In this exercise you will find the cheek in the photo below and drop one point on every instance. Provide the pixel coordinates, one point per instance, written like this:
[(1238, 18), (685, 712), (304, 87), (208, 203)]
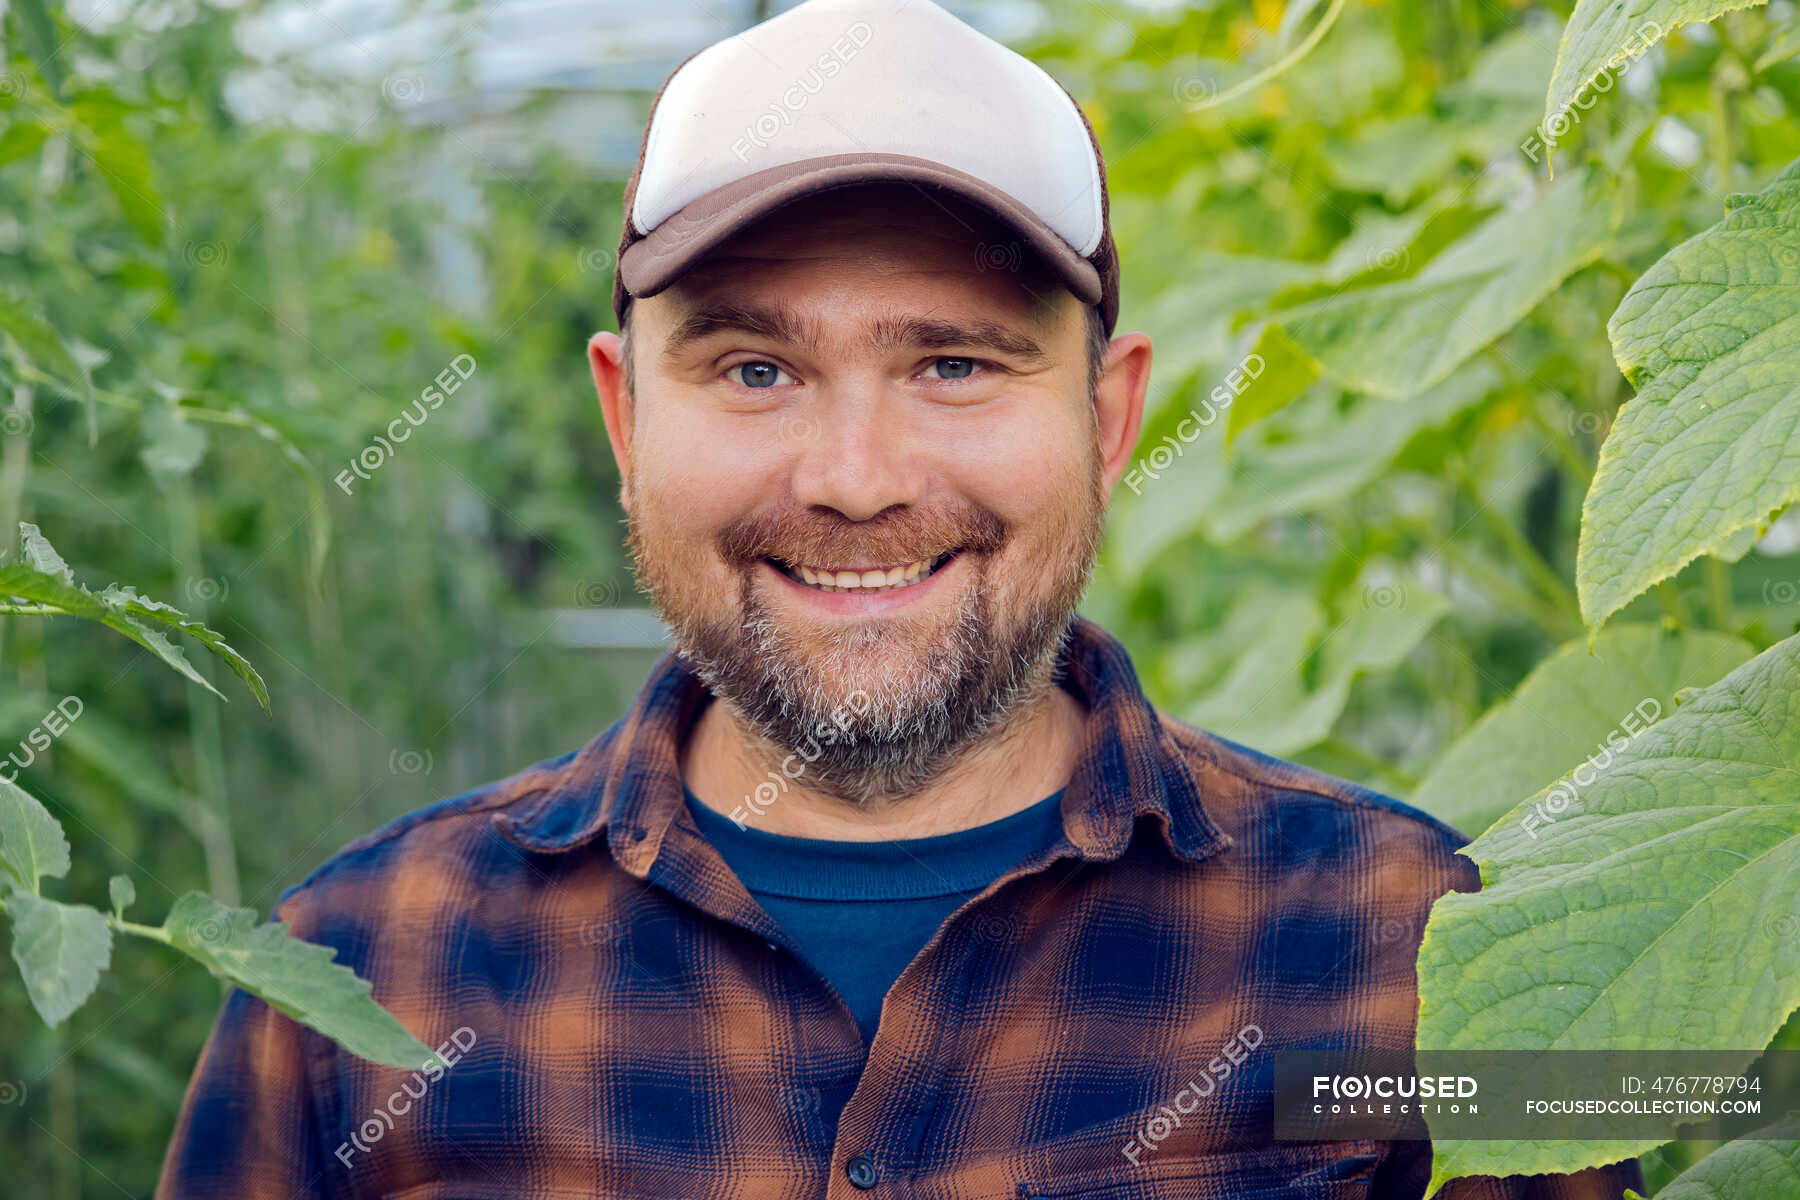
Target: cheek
[(1029, 471), (695, 477)]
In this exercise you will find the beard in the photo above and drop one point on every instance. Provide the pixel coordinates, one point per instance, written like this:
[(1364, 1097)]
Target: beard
[(879, 708)]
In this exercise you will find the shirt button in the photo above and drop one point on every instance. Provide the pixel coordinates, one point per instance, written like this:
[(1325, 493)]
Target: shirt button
[(862, 1172)]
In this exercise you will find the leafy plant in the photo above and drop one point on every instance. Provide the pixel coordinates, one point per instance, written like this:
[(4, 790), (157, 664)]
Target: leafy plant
[(62, 948)]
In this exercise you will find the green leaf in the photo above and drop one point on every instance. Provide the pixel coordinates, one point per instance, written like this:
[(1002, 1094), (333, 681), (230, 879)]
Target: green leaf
[(21, 138), (124, 166), (1563, 711), (1651, 911), (1768, 1169), (1310, 455), (1291, 677), (123, 892), (1604, 35), (1399, 338), (36, 550), (127, 599), (46, 351), (37, 30), (1782, 47), (297, 978), (1394, 158), (1711, 442), (32, 844), (1284, 371), (61, 950), (1329, 452), (45, 579)]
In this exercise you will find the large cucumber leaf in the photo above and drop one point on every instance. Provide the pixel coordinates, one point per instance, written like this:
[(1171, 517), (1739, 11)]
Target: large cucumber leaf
[(294, 977), (1397, 339), (1563, 711), (1749, 1167), (61, 950), (1711, 443), (1651, 912), (1604, 35)]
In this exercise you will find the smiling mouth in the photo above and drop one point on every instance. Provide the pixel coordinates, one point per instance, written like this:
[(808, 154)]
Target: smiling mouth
[(863, 579)]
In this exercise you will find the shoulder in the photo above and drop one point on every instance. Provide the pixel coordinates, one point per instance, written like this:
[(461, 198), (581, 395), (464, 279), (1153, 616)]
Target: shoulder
[(1296, 818)]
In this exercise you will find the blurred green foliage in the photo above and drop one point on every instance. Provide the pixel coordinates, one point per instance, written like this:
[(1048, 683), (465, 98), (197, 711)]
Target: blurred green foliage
[(1354, 581)]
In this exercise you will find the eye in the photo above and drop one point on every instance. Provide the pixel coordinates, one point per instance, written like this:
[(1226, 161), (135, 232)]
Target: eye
[(954, 368), (759, 374)]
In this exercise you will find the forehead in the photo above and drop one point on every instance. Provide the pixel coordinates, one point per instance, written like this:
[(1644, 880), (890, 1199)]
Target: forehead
[(882, 240)]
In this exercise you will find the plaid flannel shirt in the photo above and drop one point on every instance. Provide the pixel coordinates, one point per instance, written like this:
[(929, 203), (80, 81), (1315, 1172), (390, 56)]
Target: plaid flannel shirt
[(634, 1025)]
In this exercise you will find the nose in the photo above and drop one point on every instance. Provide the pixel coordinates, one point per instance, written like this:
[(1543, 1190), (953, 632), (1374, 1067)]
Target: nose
[(855, 454)]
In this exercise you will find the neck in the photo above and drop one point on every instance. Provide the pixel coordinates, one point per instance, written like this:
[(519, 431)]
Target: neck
[(1031, 755)]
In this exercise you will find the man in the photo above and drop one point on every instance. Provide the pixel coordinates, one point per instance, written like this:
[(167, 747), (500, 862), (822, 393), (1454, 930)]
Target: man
[(892, 881)]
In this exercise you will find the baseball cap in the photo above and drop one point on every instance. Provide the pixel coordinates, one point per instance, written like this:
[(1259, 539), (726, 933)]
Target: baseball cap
[(834, 93)]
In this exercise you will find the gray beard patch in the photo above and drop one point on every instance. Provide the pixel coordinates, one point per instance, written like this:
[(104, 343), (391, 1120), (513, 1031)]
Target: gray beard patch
[(893, 737)]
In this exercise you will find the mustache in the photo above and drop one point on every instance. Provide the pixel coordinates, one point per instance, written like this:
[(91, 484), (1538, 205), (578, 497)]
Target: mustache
[(819, 536)]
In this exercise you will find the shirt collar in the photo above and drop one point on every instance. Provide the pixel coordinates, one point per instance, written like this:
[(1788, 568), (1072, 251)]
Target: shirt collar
[(626, 783)]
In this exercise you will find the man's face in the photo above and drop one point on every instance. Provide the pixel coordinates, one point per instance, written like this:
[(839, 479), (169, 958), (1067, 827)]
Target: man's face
[(864, 480)]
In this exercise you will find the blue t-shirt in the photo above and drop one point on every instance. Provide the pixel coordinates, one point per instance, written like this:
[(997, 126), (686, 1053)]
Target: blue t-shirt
[(859, 912)]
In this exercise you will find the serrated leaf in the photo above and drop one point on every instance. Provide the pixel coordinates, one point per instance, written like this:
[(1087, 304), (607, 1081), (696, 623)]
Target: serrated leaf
[(123, 893), (126, 598), (61, 950), (1604, 35), (1651, 911), (1563, 711), (32, 844), (1711, 442), (294, 977), (38, 553), (1765, 1167), (121, 609), (1398, 339)]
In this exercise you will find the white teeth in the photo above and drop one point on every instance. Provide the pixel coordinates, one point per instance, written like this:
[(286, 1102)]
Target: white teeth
[(866, 581)]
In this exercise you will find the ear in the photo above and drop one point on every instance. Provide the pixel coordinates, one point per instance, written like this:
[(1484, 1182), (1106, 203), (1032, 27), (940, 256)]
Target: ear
[(1119, 403), (606, 357)]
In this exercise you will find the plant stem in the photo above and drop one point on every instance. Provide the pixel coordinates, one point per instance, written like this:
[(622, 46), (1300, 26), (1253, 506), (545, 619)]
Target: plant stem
[(155, 933), (1718, 582), (1673, 605)]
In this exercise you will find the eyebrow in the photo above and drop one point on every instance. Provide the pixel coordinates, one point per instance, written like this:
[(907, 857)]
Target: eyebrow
[(780, 323)]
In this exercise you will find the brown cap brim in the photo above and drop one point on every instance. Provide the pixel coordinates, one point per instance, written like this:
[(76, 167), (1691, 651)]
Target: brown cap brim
[(654, 261)]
